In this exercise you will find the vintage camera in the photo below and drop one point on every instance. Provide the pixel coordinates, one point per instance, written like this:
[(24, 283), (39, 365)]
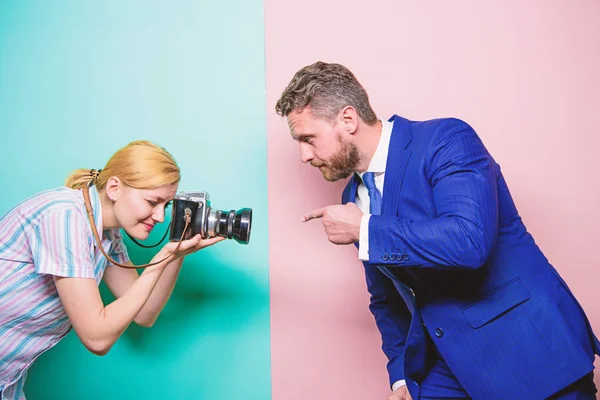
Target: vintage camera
[(207, 221)]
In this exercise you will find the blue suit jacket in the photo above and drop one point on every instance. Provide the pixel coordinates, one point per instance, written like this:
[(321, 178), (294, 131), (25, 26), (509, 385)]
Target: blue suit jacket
[(501, 316)]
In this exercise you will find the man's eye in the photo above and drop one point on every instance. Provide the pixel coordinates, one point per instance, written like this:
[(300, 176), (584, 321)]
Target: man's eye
[(307, 140), (152, 203)]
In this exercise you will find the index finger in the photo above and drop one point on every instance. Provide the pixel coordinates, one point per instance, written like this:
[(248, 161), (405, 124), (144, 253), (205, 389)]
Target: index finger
[(314, 214)]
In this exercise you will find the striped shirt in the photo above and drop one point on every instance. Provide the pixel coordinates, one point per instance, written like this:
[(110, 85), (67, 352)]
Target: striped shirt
[(45, 235)]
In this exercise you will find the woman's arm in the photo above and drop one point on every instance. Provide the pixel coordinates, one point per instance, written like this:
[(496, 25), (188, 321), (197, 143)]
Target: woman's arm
[(119, 280), (99, 326)]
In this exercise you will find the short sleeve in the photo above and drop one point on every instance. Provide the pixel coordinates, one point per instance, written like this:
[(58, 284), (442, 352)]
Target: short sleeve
[(61, 245), (118, 250)]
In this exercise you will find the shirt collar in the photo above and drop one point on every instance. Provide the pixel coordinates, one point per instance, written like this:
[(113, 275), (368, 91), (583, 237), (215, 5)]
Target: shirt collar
[(109, 234), (379, 160), (96, 207)]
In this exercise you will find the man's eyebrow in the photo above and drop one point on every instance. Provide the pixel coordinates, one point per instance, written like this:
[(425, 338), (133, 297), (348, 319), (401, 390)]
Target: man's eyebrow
[(303, 136)]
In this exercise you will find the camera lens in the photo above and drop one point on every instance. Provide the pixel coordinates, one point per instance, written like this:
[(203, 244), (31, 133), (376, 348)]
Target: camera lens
[(242, 225), (225, 223), (232, 225)]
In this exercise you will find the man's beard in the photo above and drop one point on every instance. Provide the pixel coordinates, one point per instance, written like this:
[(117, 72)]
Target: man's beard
[(342, 163)]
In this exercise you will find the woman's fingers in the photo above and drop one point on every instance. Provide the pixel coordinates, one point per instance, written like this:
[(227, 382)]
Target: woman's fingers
[(192, 245), (209, 242)]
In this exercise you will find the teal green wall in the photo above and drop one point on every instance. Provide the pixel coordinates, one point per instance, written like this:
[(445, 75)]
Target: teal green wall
[(78, 80)]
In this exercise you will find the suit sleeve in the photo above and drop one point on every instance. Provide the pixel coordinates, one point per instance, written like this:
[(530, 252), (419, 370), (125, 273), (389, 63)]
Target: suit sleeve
[(392, 318), (462, 176)]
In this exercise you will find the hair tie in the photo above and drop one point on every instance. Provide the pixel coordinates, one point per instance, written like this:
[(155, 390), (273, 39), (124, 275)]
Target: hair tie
[(95, 173)]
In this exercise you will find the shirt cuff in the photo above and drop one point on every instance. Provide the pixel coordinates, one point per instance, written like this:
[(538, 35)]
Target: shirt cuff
[(398, 384), (363, 241)]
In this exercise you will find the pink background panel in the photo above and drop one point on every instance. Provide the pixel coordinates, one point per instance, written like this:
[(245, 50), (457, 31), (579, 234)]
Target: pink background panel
[(523, 74)]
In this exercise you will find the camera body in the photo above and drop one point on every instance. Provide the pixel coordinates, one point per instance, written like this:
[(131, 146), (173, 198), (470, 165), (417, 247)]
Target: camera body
[(208, 221)]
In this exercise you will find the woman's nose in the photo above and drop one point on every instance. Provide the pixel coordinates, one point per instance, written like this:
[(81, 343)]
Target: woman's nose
[(159, 214)]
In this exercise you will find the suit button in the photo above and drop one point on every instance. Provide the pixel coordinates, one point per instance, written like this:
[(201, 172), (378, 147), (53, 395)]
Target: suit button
[(405, 257), (399, 257), (392, 257), (439, 332), (385, 257)]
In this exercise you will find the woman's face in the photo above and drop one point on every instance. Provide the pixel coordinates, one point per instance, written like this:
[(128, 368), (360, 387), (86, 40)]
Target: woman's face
[(138, 210)]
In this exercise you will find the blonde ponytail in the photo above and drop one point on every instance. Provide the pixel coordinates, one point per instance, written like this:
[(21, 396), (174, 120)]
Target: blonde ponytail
[(140, 164), (79, 178)]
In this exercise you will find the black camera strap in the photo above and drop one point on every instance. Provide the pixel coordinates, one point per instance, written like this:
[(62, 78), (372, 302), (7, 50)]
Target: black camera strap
[(90, 213), (146, 246)]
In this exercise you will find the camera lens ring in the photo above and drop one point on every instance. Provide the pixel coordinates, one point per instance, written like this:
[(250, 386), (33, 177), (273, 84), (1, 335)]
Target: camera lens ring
[(230, 222), (212, 222)]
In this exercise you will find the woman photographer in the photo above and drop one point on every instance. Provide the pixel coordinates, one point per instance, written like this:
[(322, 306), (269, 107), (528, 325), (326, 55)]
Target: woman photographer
[(51, 264)]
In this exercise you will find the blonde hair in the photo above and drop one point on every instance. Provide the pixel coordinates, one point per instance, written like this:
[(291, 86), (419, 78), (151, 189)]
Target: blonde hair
[(140, 165)]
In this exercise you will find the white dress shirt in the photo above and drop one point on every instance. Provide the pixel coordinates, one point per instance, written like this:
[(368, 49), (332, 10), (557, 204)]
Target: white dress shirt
[(377, 166)]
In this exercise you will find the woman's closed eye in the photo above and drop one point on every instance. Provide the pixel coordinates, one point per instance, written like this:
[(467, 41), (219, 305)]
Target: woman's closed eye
[(155, 203)]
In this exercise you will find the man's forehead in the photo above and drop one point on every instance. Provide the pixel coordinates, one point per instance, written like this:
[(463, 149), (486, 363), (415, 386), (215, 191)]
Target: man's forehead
[(300, 116), (294, 122), (291, 123), (296, 114)]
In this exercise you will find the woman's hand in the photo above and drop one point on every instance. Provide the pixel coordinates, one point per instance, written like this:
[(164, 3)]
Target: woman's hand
[(189, 246)]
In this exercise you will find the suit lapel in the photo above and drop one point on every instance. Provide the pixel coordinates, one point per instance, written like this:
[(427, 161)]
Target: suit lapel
[(349, 194), (398, 156)]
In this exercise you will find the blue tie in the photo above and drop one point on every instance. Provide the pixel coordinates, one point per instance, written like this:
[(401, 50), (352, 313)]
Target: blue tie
[(375, 209), (374, 193), (418, 353)]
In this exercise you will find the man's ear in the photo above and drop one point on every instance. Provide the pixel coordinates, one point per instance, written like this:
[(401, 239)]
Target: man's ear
[(113, 188), (349, 118)]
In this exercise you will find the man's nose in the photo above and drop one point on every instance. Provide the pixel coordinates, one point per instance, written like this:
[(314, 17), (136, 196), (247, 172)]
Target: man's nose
[(306, 154)]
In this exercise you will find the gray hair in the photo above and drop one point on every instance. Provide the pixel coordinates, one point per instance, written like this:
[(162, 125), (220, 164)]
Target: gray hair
[(327, 89)]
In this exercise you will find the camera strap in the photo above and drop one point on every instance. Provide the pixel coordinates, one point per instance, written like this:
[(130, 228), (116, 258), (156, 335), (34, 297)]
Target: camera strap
[(90, 213), (146, 246)]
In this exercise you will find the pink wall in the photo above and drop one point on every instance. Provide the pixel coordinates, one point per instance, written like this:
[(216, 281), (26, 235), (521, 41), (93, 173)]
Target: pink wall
[(525, 75)]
